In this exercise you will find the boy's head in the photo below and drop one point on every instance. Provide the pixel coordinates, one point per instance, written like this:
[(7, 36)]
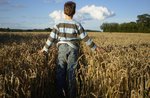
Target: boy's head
[(70, 8)]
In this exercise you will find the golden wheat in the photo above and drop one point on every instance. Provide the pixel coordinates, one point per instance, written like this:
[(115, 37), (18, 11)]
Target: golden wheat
[(122, 72)]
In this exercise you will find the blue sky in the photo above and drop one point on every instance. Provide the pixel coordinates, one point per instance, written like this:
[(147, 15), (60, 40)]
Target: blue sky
[(29, 14)]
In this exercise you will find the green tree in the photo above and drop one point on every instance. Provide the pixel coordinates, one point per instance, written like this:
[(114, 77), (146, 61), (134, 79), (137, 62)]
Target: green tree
[(105, 27), (143, 22), (141, 25)]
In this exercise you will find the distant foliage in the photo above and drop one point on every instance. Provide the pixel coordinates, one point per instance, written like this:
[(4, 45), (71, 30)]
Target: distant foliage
[(25, 30), (141, 25)]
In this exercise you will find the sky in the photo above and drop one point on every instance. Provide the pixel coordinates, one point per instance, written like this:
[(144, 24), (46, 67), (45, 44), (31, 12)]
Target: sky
[(40, 14)]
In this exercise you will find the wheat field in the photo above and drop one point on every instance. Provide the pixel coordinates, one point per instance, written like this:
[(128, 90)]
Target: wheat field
[(123, 71)]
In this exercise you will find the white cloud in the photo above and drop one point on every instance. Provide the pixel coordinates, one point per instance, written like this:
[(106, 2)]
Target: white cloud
[(96, 12), (10, 5), (86, 13), (52, 1), (57, 15), (3, 2), (58, 1), (89, 16)]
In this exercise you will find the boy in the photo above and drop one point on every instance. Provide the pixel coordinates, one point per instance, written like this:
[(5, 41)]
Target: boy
[(65, 34)]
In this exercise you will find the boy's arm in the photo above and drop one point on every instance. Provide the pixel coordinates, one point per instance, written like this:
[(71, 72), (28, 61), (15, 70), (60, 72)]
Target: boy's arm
[(84, 36), (51, 39)]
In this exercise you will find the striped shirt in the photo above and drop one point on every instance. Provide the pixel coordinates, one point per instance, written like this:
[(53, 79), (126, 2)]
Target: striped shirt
[(68, 30)]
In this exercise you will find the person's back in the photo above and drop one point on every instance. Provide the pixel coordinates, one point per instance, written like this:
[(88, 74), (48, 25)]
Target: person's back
[(67, 33), (68, 30), (71, 32)]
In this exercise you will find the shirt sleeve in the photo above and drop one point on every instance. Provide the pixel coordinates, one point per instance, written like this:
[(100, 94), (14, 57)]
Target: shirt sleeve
[(84, 36), (51, 39)]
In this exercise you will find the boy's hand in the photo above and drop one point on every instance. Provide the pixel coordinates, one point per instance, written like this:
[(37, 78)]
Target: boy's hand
[(100, 49), (41, 52)]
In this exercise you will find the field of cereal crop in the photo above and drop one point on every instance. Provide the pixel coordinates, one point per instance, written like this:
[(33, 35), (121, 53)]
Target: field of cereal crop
[(121, 72)]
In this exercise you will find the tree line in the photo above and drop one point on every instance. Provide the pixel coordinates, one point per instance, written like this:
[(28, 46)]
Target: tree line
[(35, 30), (25, 30), (142, 24)]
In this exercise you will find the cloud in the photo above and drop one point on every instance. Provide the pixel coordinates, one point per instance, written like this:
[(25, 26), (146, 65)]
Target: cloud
[(18, 6), (57, 15), (3, 2), (52, 1), (96, 12), (23, 25), (58, 1), (10, 5), (86, 13)]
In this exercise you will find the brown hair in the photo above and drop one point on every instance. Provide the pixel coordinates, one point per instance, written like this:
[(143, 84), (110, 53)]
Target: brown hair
[(70, 8)]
